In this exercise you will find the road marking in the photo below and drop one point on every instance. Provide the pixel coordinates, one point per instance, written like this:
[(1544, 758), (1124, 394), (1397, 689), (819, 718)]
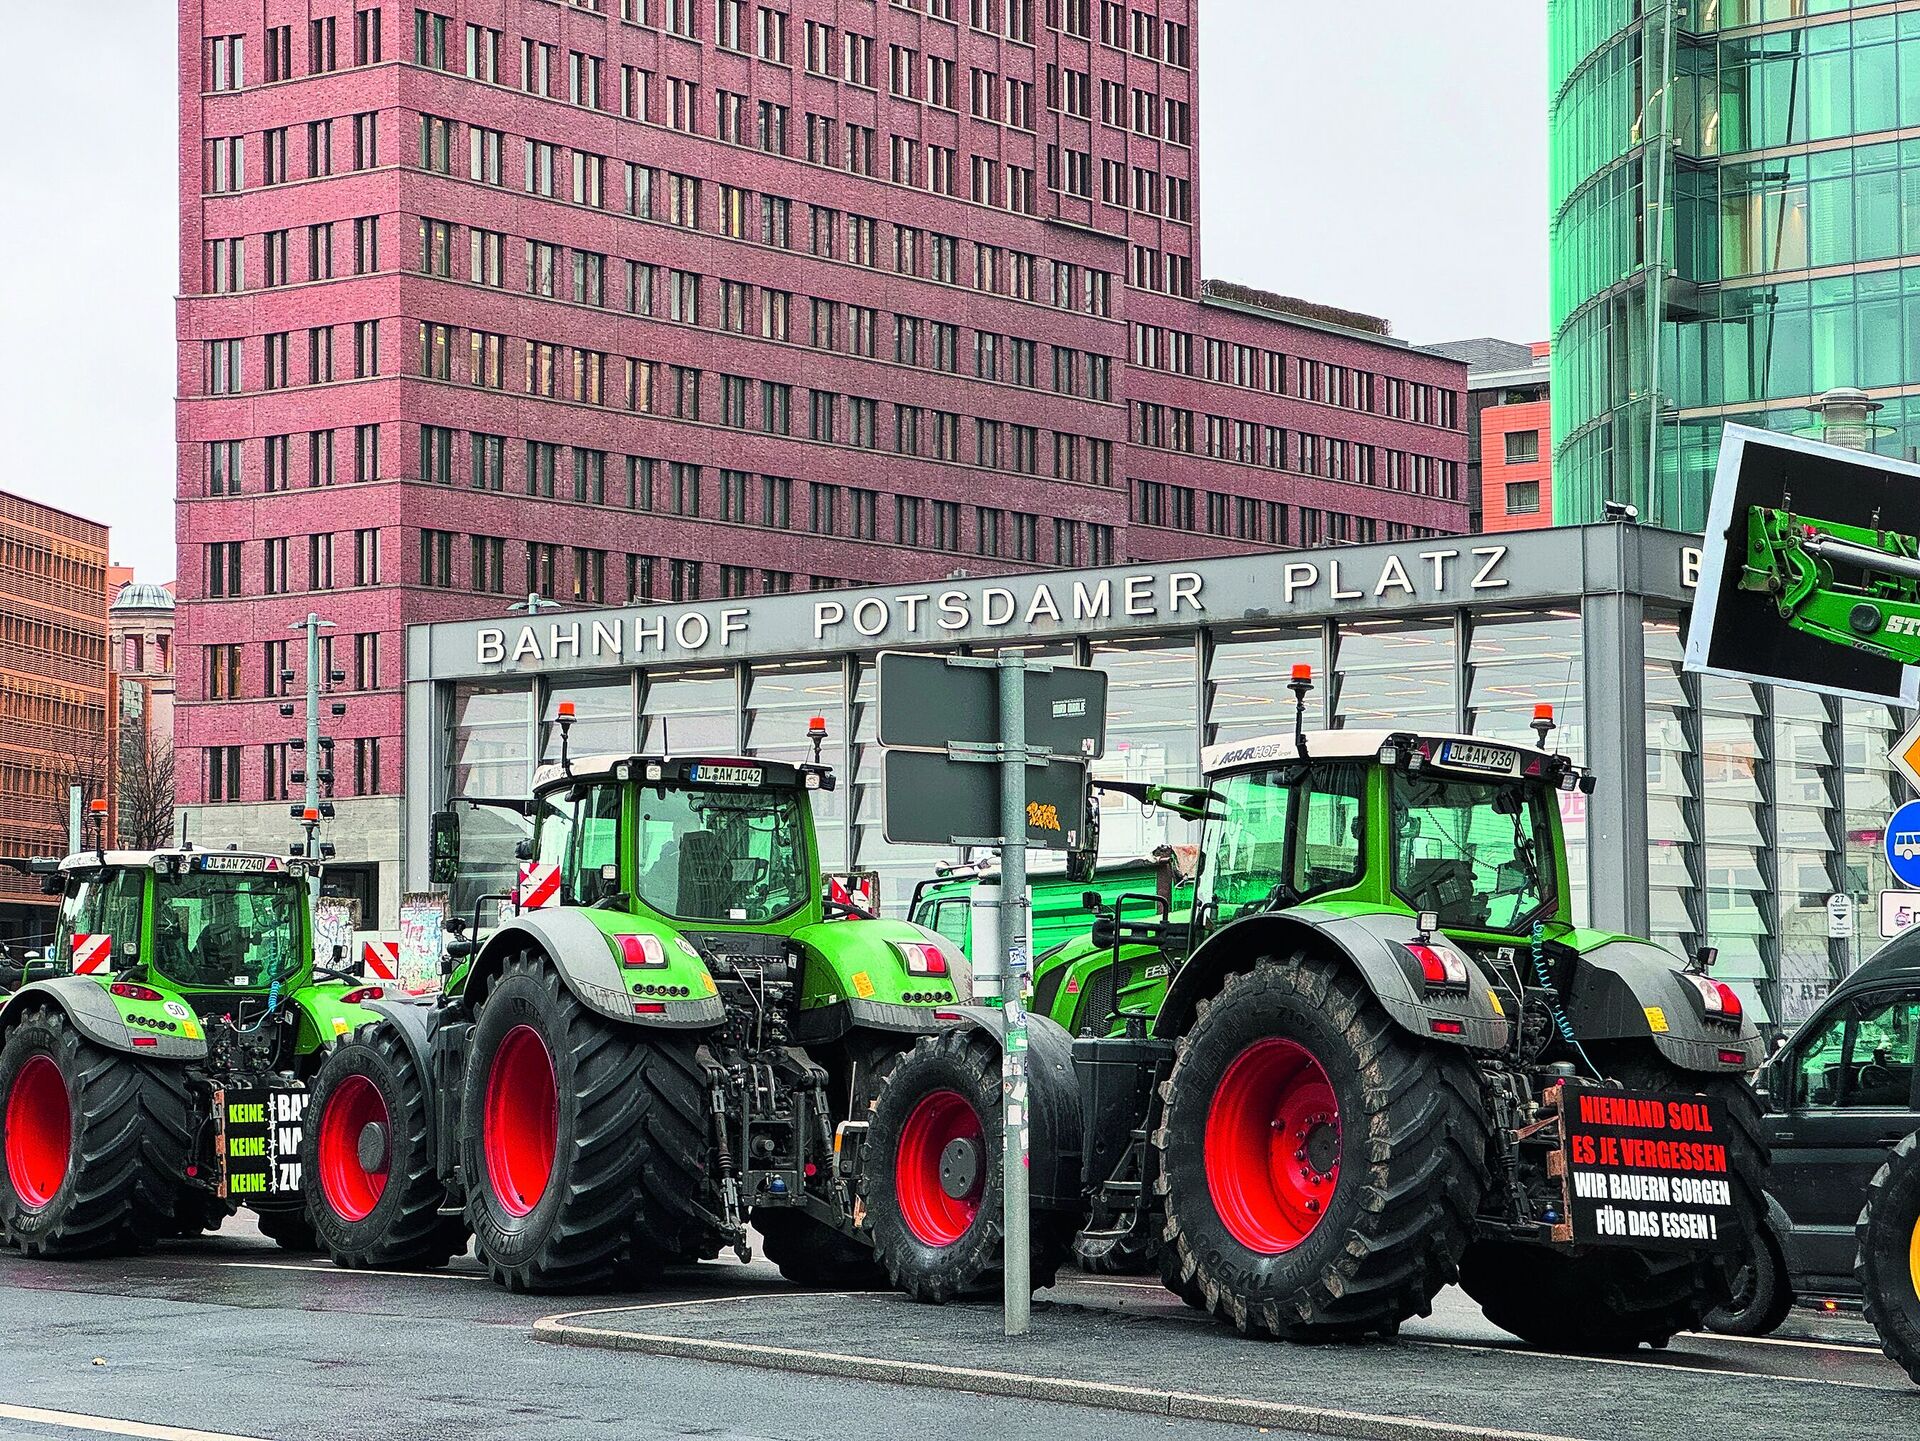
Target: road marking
[(1859, 1346), (81, 1421), (1678, 1365), (345, 1271)]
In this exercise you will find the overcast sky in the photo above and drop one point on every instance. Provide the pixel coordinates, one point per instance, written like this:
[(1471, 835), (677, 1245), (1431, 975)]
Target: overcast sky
[(1357, 153)]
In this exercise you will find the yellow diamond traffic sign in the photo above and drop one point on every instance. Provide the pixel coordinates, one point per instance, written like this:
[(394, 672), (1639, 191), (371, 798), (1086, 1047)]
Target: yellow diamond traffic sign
[(1905, 755)]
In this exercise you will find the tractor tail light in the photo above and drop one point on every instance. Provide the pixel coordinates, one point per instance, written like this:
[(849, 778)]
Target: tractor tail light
[(146, 1040), (922, 958), (642, 952), (364, 994), (1718, 1000), (127, 990), (1439, 967), (649, 1008)]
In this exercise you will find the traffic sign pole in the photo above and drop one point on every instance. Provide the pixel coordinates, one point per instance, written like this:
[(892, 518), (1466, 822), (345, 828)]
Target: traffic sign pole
[(1016, 1284)]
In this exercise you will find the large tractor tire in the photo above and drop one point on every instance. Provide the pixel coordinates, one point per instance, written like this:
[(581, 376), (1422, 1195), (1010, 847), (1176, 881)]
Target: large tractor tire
[(1320, 1169), (583, 1141), (811, 1253), (931, 1175), (290, 1228), (96, 1142), (1762, 1293), (1613, 1298), (1889, 1261), (368, 1160)]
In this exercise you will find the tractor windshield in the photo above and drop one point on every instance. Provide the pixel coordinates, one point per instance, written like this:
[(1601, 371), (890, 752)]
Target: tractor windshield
[(732, 856), (230, 931), (1479, 852)]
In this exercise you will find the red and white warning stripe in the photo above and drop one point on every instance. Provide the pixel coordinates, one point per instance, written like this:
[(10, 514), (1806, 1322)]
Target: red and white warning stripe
[(539, 885), (92, 955), (380, 960)]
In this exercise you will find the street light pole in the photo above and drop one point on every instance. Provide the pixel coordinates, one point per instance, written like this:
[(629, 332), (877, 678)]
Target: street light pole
[(1017, 1284)]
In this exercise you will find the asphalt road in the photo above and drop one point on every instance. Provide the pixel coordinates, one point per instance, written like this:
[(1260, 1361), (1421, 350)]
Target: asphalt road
[(230, 1336), (234, 1337)]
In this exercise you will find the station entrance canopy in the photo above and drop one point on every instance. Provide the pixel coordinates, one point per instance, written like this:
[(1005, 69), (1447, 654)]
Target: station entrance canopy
[(1727, 812)]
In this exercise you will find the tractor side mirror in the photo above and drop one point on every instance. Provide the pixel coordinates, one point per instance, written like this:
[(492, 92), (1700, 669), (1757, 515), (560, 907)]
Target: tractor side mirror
[(443, 863)]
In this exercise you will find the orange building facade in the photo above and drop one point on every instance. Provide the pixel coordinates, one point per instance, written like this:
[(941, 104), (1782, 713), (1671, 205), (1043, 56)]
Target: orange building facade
[(54, 716), (1516, 449)]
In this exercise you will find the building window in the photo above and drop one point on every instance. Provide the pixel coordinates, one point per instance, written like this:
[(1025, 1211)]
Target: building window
[(1523, 447), (1523, 497), (366, 765), (223, 773)]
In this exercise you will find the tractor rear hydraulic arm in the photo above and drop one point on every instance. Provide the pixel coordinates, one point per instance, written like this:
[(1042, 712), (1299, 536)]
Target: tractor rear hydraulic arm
[(1876, 606)]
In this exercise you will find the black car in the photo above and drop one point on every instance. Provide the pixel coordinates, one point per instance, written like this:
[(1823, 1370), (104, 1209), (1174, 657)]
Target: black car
[(1841, 1094)]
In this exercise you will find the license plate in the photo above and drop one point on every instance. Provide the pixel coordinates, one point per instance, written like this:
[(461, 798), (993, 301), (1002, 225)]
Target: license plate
[(1472, 757), (727, 775)]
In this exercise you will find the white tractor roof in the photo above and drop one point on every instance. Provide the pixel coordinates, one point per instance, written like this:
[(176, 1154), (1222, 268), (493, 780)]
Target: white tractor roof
[(212, 860), (1340, 745)]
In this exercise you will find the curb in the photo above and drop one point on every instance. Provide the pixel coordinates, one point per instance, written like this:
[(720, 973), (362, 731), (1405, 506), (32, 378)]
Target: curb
[(563, 1330)]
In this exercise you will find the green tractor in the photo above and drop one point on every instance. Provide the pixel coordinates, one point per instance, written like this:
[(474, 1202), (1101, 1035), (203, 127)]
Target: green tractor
[(1376, 1057), (153, 1069), (663, 1043)]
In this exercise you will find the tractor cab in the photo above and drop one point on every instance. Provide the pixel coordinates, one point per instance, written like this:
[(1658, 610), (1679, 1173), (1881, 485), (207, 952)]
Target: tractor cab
[(1463, 829), (199, 921)]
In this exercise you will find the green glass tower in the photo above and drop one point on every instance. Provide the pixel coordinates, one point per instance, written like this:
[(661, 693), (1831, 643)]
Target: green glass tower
[(1736, 230)]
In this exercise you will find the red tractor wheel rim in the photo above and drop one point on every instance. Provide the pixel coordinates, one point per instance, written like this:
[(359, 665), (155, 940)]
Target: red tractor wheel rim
[(352, 1186), (39, 1132), (1273, 1146), (933, 1214), (522, 1121)]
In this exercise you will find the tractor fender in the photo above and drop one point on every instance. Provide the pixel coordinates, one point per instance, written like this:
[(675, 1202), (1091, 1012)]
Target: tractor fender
[(92, 1012), (415, 1021), (1370, 945), (325, 1021), (580, 951), (853, 976), (1627, 989), (1053, 1102)]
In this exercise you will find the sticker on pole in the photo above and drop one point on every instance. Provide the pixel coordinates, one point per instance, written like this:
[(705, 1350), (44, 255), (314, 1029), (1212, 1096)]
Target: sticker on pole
[(1902, 842), (1646, 1170), (539, 885), (92, 955), (380, 960)]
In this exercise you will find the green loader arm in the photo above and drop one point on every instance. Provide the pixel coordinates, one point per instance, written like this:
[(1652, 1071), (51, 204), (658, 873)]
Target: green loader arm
[(1792, 559)]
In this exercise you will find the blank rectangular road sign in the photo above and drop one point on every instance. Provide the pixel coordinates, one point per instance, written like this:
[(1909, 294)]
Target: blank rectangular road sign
[(933, 801), (927, 703)]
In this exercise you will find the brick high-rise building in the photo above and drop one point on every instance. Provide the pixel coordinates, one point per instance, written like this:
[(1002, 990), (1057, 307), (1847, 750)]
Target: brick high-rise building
[(630, 300), (54, 726)]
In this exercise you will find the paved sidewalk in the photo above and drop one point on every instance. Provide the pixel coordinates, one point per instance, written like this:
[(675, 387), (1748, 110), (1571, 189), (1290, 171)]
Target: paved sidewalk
[(1128, 1349)]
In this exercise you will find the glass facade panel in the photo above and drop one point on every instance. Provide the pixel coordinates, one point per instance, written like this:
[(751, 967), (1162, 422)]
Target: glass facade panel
[(1673, 811), (781, 701), (691, 711), (1247, 675), (602, 717), (1395, 672), (1152, 735)]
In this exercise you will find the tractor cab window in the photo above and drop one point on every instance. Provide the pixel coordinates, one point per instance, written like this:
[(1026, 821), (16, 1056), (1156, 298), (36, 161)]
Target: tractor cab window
[(220, 929), (579, 831), (1480, 853), (950, 919), (1863, 1057), (1281, 838), (105, 903), (714, 853)]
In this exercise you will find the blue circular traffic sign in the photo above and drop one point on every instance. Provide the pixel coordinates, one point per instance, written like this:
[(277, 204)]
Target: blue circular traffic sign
[(1903, 844)]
